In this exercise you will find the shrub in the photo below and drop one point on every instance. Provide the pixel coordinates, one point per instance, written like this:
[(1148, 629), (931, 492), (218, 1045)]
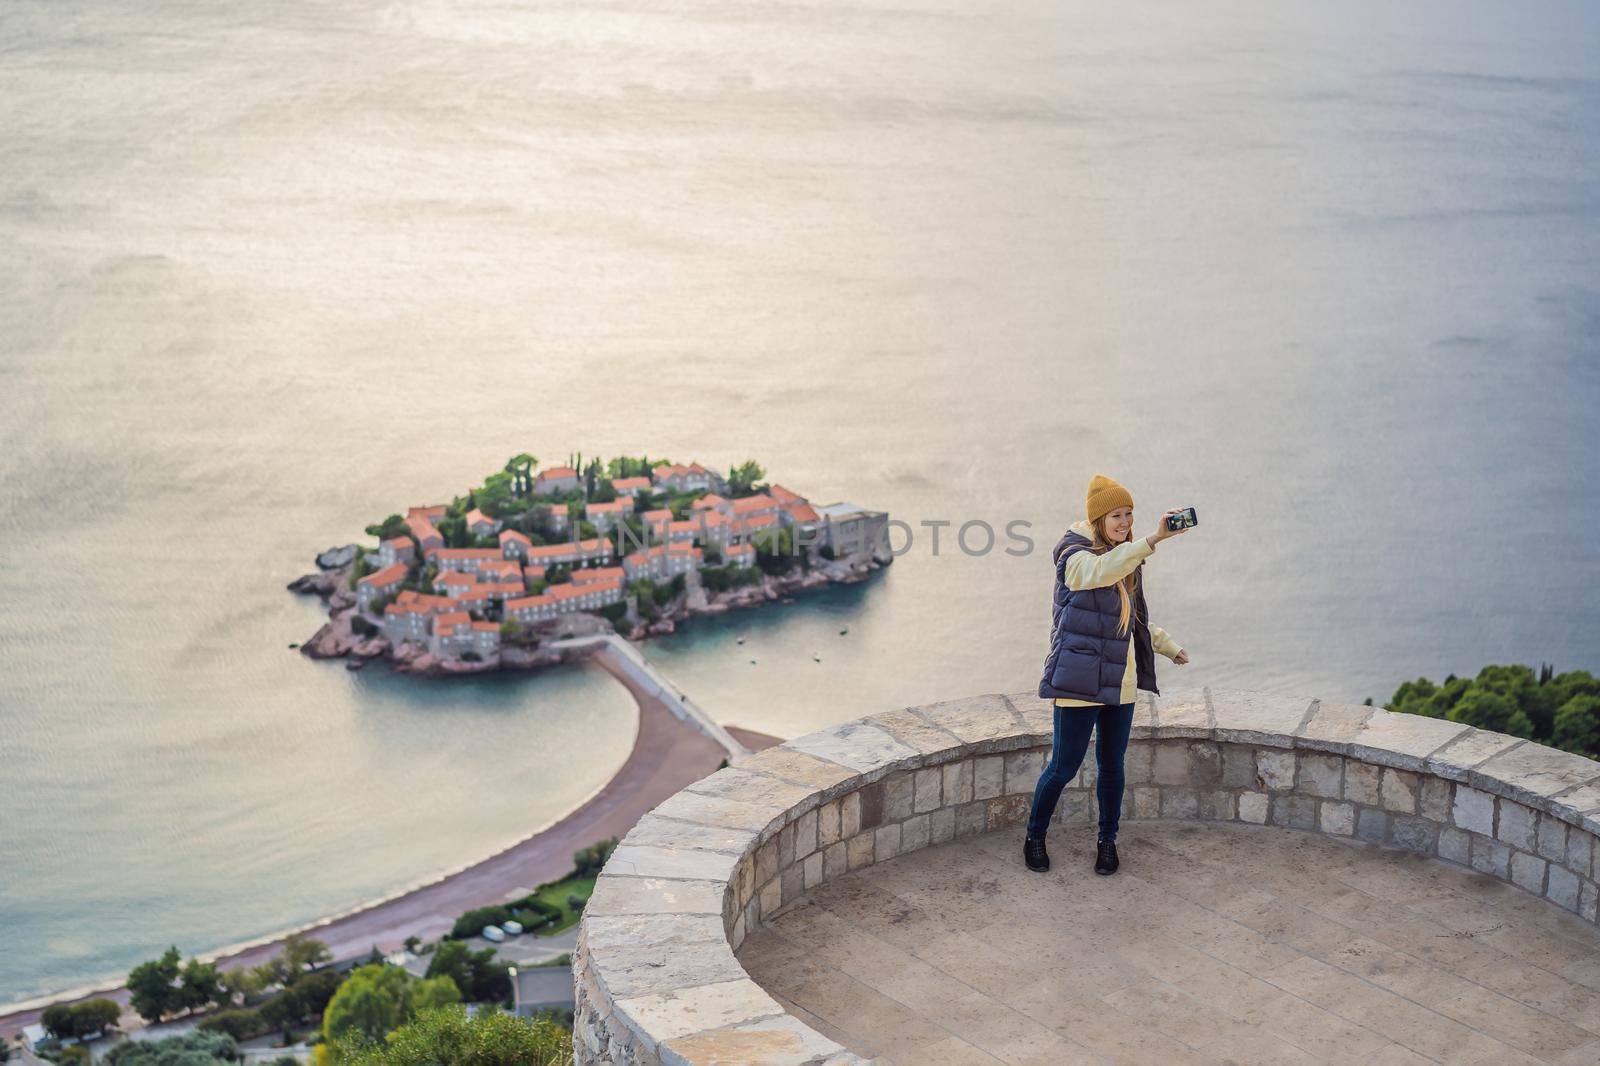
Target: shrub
[(239, 1024), (472, 923)]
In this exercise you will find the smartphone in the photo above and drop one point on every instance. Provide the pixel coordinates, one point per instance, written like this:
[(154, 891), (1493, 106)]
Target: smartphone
[(1183, 519)]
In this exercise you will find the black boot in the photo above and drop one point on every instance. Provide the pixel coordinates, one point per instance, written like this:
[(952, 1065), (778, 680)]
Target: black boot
[(1105, 860), (1034, 855)]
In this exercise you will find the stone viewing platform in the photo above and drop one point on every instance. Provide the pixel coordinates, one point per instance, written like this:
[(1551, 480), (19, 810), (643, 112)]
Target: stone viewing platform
[(1301, 882)]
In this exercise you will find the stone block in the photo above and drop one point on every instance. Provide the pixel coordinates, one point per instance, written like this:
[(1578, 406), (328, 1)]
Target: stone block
[(1334, 725), (793, 881), (1179, 714), (970, 817), (657, 832), (1321, 775), (915, 731), (1434, 803), (1403, 741), (1361, 782), (1489, 856), (899, 792), (1533, 773), (819, 775), (1216, 805), (1579, 854), (862, 747), (775, 1041), (1372, 824), (835, 861), (828, 824), (1455, 845), (850, 815), (1527, 871), (1336, 818), (942, 824), (986, 722), (1473, 811), (1274, 769), (925, 788), (1295, 812), (1588, 899), (1077, 806), (1414, 834), (1398, 790), (1170, 765), (1138, 765), (770, 898), (667, 1016), (1179, 803), (1022, 770), (1205, 764), (1253, 807), (766, 862), (1562, 887), (630, 860), (858, 850), (721, 811), (1518, 826), (1147, 801), (786, 846), (1249, 716), (988, 777), (1006, 811), (1456, 759), (957, 782), (1238, 766), (811, 870), (914, 832), (886, 844), (805, 834)]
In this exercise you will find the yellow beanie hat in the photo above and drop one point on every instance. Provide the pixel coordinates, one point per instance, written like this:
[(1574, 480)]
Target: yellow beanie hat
[(1106, 495)]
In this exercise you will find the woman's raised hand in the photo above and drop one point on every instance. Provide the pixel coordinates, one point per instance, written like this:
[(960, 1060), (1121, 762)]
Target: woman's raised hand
[(1162, 532)]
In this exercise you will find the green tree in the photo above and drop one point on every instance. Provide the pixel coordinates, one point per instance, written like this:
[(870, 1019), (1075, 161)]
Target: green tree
[(497, 497), (1487, 709), (301, 952), (520, 467), (476, 973), (588, 861), (375, 999), (200, 985), (1577, 726), (153, 986), (490, 1038), (190, 1049), (68, 1021), (389, 528), (742, 479)]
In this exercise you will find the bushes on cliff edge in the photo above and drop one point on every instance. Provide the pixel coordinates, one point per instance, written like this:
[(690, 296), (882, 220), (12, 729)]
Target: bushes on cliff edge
[(1562, 711)]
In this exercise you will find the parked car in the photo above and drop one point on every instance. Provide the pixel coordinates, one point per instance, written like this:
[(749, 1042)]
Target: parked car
[(512, 928), (494, 933)]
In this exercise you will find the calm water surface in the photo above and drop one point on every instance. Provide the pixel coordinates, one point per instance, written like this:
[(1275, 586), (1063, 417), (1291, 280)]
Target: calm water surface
[(270, 272)]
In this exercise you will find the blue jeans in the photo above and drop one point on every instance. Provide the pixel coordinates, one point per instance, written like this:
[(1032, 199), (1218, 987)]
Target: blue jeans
[(1072, 727)]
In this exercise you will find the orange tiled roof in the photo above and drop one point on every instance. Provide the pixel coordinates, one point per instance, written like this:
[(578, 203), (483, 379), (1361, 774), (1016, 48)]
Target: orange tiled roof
[(555, 472), (511, 534), (451, 618), (387, 576), (778, 492), (801, 512), (710, 499), (596, 573), (622, 484), (759, 521), (752, 503), (476, 516), (398, 543), (613, 505), (530, 601), (422, 528), (430, 512), (484, 627)]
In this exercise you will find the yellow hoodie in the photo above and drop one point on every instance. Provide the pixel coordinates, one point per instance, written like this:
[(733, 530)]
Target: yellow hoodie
[(1086, 570)]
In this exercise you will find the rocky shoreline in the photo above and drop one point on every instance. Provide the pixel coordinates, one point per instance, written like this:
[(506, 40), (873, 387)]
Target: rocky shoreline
[(337, 639)]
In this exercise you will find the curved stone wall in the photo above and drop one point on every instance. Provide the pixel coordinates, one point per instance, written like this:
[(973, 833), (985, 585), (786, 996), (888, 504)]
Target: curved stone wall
[(657, 980)]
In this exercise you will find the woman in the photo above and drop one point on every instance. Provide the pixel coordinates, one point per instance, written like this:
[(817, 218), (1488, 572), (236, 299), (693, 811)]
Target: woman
[(1101, 649)]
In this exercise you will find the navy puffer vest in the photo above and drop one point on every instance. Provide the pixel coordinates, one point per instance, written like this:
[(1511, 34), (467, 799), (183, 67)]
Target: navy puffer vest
[(1087, 659)]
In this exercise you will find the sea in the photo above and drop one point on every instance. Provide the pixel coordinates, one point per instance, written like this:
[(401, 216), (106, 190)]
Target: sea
[(1325, 272)]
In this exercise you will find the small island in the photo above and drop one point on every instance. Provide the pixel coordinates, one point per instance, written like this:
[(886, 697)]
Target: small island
[(518, 572)]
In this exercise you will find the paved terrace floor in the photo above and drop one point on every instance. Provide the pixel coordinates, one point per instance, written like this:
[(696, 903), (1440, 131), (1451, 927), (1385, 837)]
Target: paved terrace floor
[(1212, 944)]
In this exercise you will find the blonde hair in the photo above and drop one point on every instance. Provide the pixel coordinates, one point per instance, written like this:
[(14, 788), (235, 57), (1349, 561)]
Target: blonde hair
[(1128, 585)]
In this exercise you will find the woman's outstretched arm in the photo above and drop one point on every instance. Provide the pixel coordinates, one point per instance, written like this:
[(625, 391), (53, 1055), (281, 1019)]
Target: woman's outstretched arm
[(1086, 570)]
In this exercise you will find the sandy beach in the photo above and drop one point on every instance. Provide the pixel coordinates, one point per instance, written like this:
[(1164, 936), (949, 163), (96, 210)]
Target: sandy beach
[(667, 755)]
